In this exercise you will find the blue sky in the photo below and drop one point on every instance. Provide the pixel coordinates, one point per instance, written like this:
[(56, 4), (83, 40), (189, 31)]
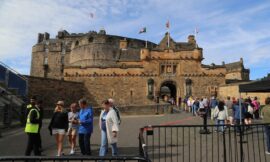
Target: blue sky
[(228, 29)]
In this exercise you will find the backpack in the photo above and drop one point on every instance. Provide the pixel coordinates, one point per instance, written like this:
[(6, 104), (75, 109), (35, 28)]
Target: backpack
[(118, 114)]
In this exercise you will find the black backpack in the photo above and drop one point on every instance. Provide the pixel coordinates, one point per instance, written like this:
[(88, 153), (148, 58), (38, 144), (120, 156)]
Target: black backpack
[(118, 114)]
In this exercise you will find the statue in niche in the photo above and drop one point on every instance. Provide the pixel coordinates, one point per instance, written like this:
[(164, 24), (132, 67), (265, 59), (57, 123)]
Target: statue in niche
[(188, 87)]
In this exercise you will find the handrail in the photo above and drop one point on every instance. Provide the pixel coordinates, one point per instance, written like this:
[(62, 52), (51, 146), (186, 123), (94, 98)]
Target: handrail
[(14, 71), (210, 125)]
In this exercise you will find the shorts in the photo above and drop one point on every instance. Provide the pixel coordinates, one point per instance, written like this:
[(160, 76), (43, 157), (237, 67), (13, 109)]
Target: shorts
[(59, 131), (72, 131)]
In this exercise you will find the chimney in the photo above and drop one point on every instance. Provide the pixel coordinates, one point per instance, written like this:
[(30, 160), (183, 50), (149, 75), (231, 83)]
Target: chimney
[(241, 60), (191, 39), (46, 36), (40, 37)]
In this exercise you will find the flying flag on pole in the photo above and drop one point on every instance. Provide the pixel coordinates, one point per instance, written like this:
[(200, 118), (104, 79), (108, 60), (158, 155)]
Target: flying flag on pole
[(168, 34), (92, 15), (196, 31), (168, 24), (143, 30)]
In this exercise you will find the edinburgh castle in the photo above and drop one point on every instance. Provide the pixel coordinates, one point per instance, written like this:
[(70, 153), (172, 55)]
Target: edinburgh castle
[(131, 71)]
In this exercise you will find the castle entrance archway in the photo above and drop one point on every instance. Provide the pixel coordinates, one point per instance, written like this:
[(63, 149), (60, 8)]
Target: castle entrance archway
[(168, 91)]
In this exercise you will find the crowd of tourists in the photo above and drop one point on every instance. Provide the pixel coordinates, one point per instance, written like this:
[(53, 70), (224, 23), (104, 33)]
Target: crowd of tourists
[(78, 121), (231, 111), (224, 111)]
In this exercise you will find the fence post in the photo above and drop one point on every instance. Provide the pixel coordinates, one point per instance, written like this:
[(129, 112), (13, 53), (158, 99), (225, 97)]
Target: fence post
[(241, 143), (224, 147)]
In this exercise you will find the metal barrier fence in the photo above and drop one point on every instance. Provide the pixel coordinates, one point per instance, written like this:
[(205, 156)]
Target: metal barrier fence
[(71, 159), (192, 143)]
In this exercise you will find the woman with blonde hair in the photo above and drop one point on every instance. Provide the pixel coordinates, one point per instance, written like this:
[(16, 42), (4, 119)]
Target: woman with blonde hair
[(73, 125), (59, 125)]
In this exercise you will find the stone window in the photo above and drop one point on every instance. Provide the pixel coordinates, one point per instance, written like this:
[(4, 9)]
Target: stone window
[(188, 87), (45, 61), (46, 50), (63, 49), (168, 68), (90, 39), (131, 96), (150, 85), (63, 52), (62, 60), (212, 90), (76, 43)]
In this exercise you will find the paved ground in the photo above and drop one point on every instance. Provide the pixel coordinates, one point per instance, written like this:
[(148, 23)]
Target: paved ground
[(14, 141), (165, 144)]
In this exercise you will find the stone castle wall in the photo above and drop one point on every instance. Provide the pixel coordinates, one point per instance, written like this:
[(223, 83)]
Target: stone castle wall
[(114, 66), (232, 90), (52, 90)]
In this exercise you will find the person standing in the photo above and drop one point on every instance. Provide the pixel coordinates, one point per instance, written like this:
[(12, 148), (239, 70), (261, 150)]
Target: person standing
[(256, 104), (73, 117), (109, 127), (190, 103), (249, 112), (213, 104), (196, 106), (59, 125), (238, 114), (229, 104), (41, 112), (30, 106), (32, 129), (86, 117), (266, 120), (115, 109), (221, 115)]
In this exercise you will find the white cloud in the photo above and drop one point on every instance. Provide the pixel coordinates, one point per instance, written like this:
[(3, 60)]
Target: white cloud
[(228, 30)]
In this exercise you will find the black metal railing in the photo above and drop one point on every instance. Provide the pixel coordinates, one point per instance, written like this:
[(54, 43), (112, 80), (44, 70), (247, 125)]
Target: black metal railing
[(71, 159), (193, 143)]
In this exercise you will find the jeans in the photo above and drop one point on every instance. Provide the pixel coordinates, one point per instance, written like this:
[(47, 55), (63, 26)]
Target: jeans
[(32, 144), (194, 109), (84, 142), (220, 128), (104, 145), (267, 132)]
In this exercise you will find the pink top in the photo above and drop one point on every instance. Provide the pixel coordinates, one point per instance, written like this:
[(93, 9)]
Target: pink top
[(256, 104)]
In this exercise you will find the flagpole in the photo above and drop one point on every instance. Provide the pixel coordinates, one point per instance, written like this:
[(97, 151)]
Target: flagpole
[(168, 36), (168, 33), (196, 33)]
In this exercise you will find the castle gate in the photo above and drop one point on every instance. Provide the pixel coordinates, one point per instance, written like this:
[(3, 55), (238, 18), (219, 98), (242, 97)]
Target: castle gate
[(168, 89)]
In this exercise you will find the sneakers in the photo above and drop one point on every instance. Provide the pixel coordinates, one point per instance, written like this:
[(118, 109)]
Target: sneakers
[(72, 152), (267, 153)]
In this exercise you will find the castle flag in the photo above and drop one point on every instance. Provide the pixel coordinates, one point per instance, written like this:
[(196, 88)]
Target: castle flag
[(92, 15), (143, 30), (168, 24)]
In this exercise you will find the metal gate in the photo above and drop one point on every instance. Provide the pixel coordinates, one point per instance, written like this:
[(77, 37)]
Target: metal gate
[(192, 143)]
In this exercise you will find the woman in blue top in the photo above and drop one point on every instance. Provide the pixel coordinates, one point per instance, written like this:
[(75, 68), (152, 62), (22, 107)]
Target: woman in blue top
[(85, 127)]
